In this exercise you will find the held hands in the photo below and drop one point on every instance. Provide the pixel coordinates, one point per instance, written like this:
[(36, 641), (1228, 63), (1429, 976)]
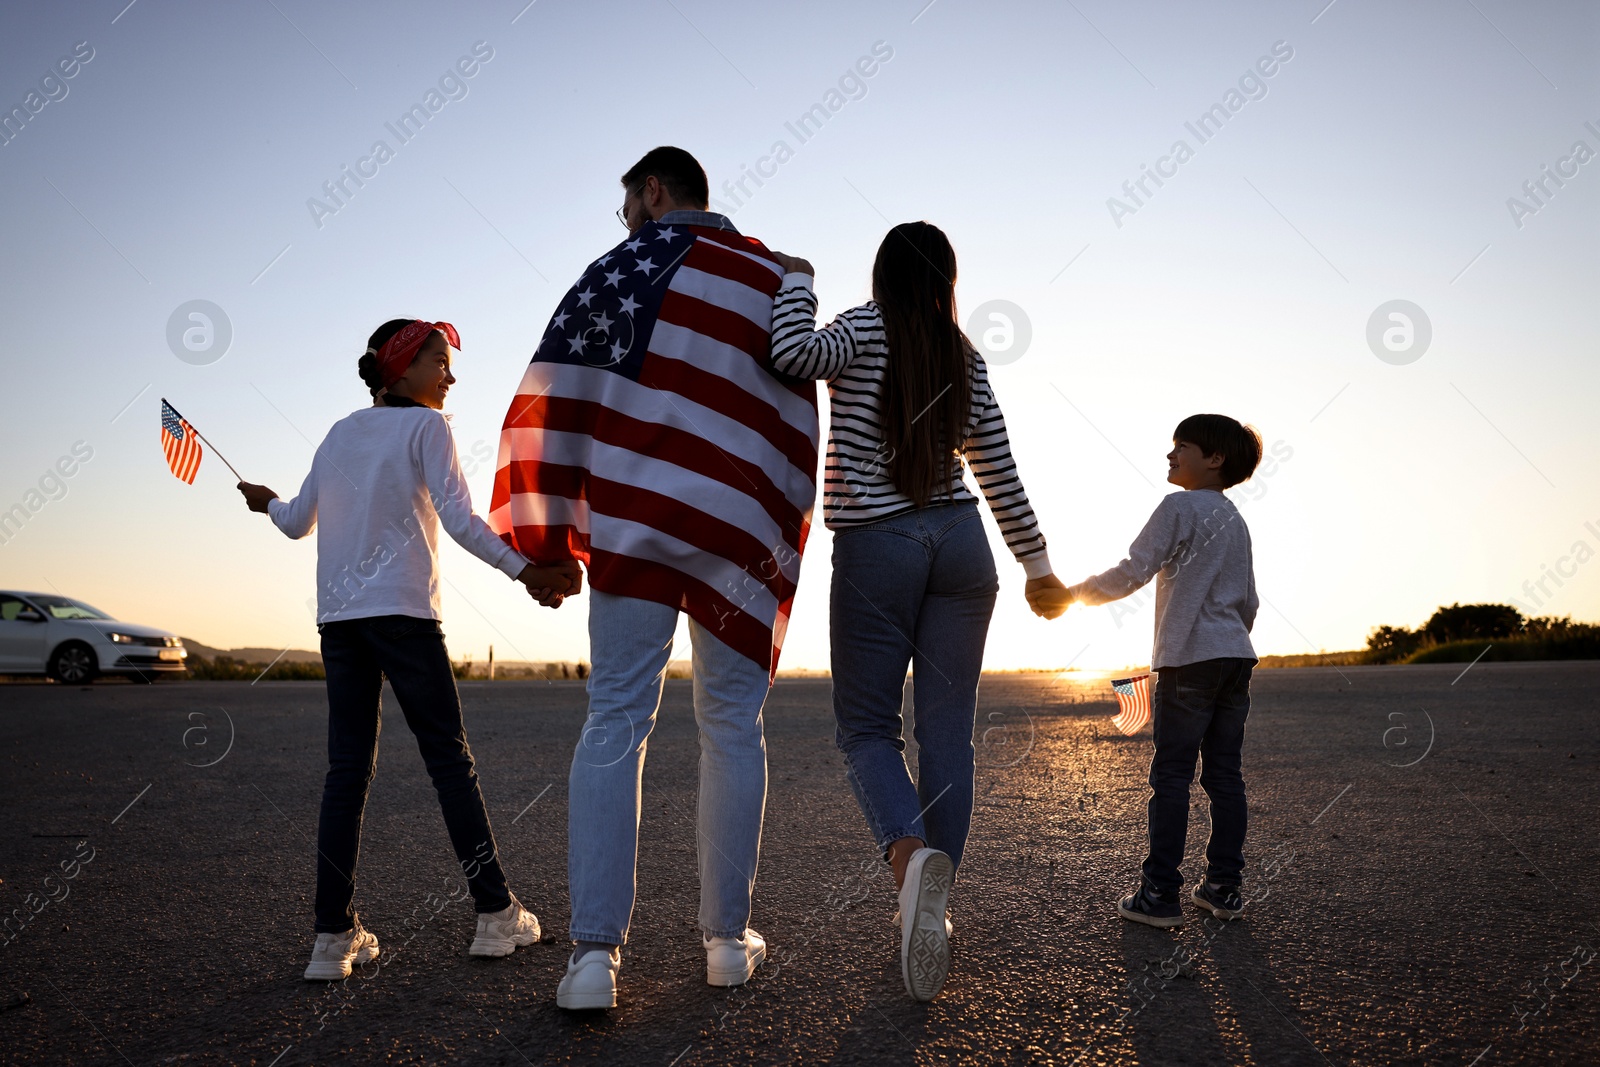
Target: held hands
[(257, 496), (794, 264), (551, 585), (1048, 596)]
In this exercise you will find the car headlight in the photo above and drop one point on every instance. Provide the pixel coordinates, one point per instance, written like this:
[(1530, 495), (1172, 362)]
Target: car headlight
[(173, 642), (119, 639)]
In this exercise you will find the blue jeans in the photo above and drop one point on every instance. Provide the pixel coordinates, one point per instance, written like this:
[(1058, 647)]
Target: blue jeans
[(357, 655), (1199, 709), (914, 589), (630, 641)]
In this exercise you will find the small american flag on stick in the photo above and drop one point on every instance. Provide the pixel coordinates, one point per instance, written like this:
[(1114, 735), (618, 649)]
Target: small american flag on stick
[(1133, 694), (180, 443)]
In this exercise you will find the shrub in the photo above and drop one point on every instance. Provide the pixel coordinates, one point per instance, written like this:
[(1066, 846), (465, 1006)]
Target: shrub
[(228, 669), (1458, 633), (1512, 650)]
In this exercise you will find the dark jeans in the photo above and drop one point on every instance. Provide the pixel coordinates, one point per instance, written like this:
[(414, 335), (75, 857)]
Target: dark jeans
[(358, 654), (1199, 710), (914, 589)]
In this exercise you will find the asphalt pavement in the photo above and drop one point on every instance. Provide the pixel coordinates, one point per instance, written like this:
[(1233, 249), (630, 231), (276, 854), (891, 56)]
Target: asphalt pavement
[(1423, 850)]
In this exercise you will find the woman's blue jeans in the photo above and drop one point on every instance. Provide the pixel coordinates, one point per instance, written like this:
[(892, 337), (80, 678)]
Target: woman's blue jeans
[(916, 589)]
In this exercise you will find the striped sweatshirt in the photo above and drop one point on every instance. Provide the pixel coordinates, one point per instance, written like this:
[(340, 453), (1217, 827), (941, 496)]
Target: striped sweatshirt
[(852, 354)]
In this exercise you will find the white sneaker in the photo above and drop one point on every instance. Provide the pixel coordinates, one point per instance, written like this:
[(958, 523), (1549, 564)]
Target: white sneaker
[(590, 982), (924, 930), (949, 927), (500, 933), (732, 960), (334, 954)]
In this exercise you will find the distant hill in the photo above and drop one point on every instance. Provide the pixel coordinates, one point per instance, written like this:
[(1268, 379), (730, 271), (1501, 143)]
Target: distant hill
[(252, 655)]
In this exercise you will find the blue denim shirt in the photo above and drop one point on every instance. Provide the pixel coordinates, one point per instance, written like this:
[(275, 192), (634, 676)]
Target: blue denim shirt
[(693, 217)]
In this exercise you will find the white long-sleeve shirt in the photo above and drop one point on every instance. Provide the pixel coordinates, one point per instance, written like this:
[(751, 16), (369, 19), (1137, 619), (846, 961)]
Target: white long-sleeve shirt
[(381, 483), (1197, 548), (852, 354)]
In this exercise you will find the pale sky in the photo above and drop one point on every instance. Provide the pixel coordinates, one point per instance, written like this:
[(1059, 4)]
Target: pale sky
[(1376, 163)]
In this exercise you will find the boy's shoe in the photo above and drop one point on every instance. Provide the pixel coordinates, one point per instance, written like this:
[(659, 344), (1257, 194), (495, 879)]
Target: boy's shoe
[(924, 930), (732, 960), (500, 933), (590, 982), (1151, 908), (1222, 901), (334, 954)]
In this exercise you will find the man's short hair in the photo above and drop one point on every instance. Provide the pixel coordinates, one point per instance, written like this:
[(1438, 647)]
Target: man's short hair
[(679, 173), (1239, 445)]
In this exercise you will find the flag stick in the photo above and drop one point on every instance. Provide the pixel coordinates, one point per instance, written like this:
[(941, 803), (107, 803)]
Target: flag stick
[(204, 438)]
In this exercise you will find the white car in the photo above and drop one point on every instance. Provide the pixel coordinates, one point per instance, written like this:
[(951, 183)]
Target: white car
[(44, 633)]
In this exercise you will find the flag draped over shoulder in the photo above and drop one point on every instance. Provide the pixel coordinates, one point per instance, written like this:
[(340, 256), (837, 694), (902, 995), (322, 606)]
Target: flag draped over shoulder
[(650, 440)]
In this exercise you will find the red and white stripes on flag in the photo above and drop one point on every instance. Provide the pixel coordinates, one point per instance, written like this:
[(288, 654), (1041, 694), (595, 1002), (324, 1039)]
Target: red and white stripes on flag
[(1133, 694), (650, 440), (180, 443)]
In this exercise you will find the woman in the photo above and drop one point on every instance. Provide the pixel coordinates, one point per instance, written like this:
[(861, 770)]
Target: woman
[(382, 482), (913, 578)]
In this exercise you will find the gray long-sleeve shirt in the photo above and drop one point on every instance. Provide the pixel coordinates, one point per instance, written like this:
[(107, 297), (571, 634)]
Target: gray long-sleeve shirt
[(1197, 547)]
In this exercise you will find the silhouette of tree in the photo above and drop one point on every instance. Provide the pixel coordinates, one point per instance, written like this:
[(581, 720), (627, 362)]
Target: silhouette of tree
[(1472, 622), (1389, 643)]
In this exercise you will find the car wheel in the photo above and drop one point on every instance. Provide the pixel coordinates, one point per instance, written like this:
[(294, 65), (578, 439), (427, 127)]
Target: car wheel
[(74, 663)]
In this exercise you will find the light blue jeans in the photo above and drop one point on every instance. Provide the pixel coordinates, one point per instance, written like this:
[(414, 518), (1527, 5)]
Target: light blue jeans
[(630, 641)]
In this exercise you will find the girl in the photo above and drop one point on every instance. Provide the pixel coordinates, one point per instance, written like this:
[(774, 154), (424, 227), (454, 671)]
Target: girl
[(913, 578), (381, 483)]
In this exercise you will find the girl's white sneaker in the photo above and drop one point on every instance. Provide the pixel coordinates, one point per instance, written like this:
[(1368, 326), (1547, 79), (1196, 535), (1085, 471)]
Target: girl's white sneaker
[(500, 933), (334, 955)]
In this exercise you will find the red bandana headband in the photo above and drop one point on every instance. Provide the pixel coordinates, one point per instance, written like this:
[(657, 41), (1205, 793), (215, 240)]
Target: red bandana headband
[(398, 351)]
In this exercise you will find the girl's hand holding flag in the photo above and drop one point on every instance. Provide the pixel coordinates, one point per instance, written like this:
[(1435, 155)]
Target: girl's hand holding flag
[(257, 496)]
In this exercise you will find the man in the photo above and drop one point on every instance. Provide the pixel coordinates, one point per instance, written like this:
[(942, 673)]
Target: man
[(650, 440)]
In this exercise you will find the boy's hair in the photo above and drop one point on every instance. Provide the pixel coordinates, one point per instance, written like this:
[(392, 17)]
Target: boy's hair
[(1240, 445), (678, 172)]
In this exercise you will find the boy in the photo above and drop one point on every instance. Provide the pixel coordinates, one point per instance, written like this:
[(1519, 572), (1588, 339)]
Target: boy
[(1197, 547)]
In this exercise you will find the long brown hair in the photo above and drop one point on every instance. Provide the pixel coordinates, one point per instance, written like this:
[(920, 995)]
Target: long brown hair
[(927, 391)]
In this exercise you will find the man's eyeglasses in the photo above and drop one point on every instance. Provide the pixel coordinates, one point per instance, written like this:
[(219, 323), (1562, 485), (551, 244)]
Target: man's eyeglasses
[(622, 212)]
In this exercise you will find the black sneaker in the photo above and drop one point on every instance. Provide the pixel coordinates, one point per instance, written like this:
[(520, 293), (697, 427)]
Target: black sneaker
[(1151, 907), (1222, 901)]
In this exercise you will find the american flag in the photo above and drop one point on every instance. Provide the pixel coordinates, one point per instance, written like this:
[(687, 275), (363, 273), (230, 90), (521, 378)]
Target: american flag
[(1133, 694), (649, 439), (180, 443)]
